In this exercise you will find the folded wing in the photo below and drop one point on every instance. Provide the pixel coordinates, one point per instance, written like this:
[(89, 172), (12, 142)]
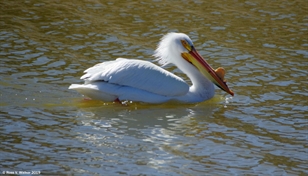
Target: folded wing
[(137, 74)]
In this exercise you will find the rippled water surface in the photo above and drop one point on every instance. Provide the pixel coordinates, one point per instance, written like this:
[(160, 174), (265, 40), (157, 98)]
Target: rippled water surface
[(262, 130)]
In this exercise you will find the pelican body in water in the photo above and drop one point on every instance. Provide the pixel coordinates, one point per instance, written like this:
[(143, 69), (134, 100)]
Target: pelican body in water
[(143, 81)]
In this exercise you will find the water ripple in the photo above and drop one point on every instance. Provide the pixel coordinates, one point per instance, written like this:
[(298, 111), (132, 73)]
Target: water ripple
[(44, 47)]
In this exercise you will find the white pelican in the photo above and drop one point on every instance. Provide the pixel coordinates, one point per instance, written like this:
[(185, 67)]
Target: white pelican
[(143, 81)]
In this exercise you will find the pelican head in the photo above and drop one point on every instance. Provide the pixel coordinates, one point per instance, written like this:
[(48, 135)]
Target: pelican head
[(178, 49)]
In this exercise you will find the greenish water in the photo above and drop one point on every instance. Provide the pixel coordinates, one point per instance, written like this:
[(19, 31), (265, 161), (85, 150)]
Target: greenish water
[(46, 45)]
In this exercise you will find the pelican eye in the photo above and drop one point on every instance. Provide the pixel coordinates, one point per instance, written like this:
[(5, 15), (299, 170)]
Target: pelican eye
[(186, 45)]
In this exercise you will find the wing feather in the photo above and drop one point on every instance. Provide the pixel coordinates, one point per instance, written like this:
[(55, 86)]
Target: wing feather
[(138, 74)]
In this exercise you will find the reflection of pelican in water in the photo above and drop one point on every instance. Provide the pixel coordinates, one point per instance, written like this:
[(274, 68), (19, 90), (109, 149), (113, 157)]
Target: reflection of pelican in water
[(137, 80)]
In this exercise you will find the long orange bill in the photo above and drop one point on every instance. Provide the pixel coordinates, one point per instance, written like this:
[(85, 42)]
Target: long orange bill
[(217, 77)]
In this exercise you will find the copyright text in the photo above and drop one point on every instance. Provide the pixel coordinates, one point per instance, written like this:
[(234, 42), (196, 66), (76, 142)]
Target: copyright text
[(22, 172)]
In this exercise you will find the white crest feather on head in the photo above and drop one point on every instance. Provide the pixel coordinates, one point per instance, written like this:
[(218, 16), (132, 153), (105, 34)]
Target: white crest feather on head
[(164, 48)]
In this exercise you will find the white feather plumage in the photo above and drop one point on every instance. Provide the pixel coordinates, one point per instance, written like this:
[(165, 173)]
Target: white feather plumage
[(143, 81)]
